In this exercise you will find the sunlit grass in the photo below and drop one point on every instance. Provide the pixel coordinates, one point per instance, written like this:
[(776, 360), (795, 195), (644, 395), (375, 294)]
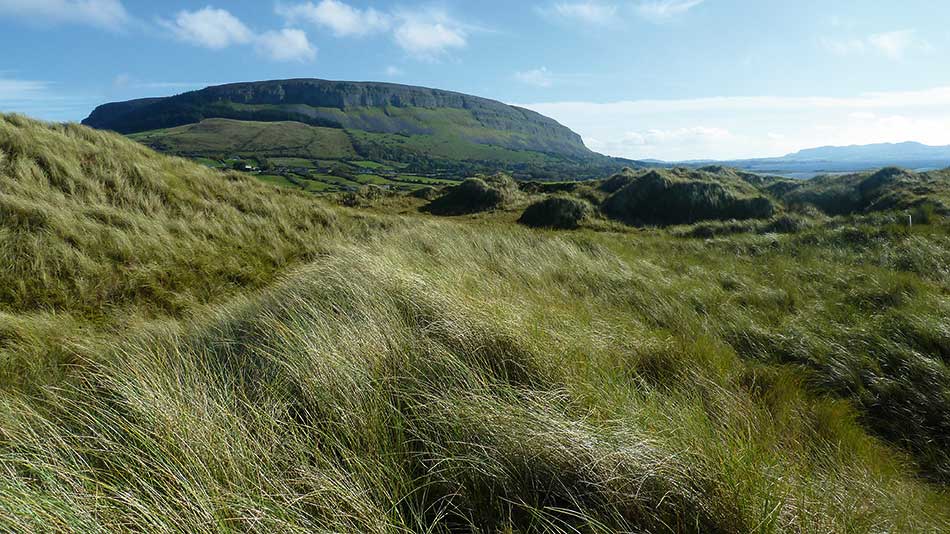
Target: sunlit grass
[(298, 367)]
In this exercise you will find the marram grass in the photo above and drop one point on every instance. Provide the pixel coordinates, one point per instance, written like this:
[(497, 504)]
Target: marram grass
[(408, 374)]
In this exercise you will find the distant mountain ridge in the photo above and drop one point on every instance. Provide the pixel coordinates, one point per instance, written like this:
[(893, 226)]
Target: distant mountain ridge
[(812, 162), (377, 108), (908, 151)]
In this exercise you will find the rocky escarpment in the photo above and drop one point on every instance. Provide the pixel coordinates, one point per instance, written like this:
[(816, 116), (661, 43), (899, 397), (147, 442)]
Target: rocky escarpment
[(367, 106)]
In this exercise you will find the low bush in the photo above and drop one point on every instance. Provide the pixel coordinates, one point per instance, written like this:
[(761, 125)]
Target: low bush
[(557, 212), (425, 193), (475, 195), (683, 197), (365, 196)]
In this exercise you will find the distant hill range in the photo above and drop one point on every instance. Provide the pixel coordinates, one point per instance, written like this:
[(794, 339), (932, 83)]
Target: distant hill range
[(422, 127), (834, 160)]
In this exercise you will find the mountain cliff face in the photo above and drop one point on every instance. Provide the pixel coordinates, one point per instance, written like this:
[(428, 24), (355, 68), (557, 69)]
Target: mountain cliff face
[(379, 108)]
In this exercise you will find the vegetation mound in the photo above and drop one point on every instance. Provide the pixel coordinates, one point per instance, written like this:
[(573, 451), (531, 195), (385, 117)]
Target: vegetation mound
[(620, 180), (475, 195), (426, 193), (93, 225), (562, 212), (883, 190), (681, 196)]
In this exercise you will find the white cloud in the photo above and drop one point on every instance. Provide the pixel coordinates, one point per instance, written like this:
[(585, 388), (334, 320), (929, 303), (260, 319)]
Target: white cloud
[(843, 47), (342, 19), (540, 77), (590, 12), (21, 90), (121, 80), (611, 12), (429, 35), (893, 45), (109, 14), (754, 126), (126, 81), (210, 28), (286, 45), (42, 99), (689, 140), (426, 33), (218, 29), (393, 71), (665, 9)]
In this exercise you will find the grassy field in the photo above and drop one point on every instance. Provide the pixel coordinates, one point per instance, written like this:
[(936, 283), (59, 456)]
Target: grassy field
[(224, 137), (186, 350)]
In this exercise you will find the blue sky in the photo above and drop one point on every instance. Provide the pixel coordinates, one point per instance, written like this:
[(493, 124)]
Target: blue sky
[(669, 79)]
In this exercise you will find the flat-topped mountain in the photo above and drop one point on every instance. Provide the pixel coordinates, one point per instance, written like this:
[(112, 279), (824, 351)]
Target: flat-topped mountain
[(812, 162), (379, 109), (909, 151)]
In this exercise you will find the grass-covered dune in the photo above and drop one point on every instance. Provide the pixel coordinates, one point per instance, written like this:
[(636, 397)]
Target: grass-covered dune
[(96, 231), (384, 373), (883, 190)]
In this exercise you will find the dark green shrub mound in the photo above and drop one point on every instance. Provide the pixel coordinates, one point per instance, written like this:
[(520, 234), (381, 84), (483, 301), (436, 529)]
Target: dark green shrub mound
[(680, 196), (366, 195), (556, 212), (884, 190), (426, 193), (619, 180), (475, 195)]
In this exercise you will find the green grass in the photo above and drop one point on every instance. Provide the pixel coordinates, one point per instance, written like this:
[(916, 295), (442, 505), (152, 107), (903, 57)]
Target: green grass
[(276, 180), (224, 137), (190, 350), (373, 165), (371, 179), (207, 162), (413, 178), (292, 162)]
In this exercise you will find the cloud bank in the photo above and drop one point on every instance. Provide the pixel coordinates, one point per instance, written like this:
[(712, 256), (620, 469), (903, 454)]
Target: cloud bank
[(107, 14), (217, 29), (427, 33), (754, 126)]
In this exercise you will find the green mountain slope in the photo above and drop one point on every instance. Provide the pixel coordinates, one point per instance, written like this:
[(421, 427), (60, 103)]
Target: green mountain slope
[(427, 128), (215, 137)]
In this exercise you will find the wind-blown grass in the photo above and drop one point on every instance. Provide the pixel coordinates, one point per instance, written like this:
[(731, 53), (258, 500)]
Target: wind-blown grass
[(427, 375)]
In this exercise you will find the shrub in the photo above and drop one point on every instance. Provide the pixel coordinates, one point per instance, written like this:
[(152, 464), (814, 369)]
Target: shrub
[(684, 197), (924, 214), (786, 224), (366, 195), (426, 193), (556, 212), (619, 181), (475, 195)]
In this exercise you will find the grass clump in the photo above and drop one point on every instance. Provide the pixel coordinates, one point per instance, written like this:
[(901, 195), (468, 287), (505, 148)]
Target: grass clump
[(562, 212), (97, 230), (475, 195), (426, 193), (880, 191), (661, 197)]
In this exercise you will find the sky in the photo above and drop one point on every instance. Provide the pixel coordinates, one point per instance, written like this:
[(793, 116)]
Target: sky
[(663, 79)]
